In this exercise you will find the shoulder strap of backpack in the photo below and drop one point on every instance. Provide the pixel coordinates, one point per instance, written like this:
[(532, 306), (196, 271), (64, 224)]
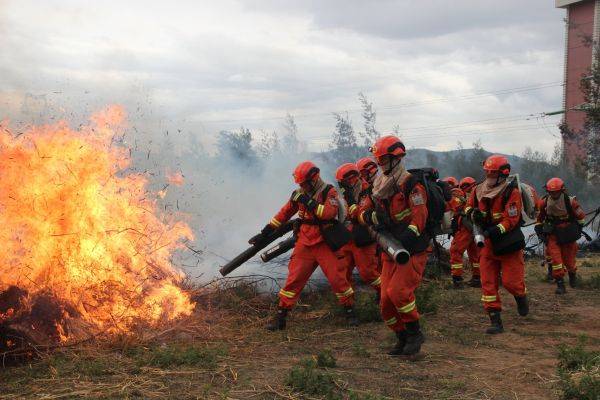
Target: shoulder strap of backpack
[(411, 182), (569, 206), (508, 192), (325, 192)]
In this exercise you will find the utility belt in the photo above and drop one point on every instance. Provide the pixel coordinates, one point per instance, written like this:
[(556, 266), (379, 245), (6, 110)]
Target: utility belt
[(334, 233), (568, 233), (419, 246), (508, 242)]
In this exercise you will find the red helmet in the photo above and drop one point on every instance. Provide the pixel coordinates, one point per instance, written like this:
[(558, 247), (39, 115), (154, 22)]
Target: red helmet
[(452, 181), (365, 164), (497, 162), (467, 183), (305, 171), (555, 185), (346, 170), (388, 145)]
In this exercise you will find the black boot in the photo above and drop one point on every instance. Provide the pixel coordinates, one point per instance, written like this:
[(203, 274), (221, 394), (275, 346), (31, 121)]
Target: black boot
[(378, 297), (496, 321), (549, 275), (278, 322), (522, 305), (399, 346), (457, 282), (475, 281), (351, 316), (414, 339), (560, 286), (573, 279)]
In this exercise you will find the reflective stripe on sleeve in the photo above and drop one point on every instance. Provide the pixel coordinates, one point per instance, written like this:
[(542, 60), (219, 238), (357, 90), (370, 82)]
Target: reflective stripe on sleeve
[(502, 228), (275, 223), (401, 215), (414, 229), (320, 209), (352, 208), (456, 266), (391, 321), (376, 282), (488, 299)]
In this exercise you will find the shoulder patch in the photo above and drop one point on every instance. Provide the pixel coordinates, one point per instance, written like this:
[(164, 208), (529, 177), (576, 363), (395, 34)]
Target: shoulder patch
[(513, 211), (417, 199)]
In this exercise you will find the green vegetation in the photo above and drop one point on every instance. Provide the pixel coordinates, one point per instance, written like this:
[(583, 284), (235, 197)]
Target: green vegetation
[(579, 372)]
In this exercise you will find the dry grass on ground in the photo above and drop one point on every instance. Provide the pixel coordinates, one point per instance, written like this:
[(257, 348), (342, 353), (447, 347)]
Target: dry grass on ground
[(224, 353)]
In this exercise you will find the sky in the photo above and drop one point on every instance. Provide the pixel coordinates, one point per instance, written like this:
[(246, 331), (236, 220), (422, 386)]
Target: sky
[(442, 71)]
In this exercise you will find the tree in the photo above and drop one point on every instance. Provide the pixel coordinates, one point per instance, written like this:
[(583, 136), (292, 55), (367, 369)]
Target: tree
[(268, 145), (344, 147), (237, 147), (370, 134), (290, 142)]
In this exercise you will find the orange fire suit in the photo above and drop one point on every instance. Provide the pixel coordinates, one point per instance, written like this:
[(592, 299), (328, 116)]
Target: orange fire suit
[(561, 256), (399, 281), (310, 250), (364, 257), (462, 239), (512, 265)]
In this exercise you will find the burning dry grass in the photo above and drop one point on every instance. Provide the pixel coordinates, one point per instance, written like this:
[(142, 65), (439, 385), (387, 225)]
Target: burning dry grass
[(85, 249)]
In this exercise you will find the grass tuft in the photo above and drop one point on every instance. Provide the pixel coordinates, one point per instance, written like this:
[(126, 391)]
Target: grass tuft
[(579, 372), (309, 380)]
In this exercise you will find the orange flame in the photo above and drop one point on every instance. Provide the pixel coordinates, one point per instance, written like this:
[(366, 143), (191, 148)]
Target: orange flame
[(75, 223), (175, 178)]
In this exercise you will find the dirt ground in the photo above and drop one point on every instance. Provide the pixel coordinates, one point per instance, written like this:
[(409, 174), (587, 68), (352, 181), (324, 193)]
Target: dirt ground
[(223, 352)]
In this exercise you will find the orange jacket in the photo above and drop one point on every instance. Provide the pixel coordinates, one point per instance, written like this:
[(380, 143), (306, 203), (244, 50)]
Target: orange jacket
[(309, 234), (400, 209), (577, 210), (507, 217)]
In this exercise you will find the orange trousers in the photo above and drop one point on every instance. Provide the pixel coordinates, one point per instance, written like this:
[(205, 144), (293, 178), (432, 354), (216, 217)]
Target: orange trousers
[(511, 265), (562, 257), (463, 240), (365, 260), (398, 285), (304, 261)]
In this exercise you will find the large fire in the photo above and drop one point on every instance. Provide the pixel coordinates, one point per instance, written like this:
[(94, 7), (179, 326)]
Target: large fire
[(83, 244)]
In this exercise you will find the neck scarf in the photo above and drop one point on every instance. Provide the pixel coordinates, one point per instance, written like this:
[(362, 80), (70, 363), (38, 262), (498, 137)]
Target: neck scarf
[(385, 186)]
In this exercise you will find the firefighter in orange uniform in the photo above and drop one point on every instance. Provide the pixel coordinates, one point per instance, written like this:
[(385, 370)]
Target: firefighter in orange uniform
[(560, 223), (361, 250), (495, 206), (401, 208), (319, 240), (463, 237)]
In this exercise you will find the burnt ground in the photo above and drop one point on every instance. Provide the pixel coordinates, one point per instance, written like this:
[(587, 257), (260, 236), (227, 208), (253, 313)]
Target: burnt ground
[(224, 353)]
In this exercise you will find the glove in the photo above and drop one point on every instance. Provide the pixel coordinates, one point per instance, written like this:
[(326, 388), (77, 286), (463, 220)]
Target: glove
[(266, 231), (492, 232), (477, 216), (303, 198), (539, 230), (408, 238), (454, 225), (375, 218), (348, 195)]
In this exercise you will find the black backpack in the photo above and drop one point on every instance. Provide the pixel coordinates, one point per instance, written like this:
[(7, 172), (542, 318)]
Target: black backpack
[(436, 195)]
